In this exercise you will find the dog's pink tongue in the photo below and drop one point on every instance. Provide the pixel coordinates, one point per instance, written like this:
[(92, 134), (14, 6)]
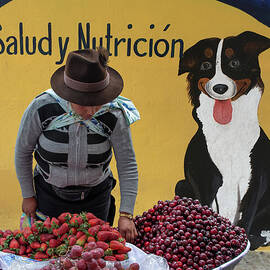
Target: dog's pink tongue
[(223, 111)]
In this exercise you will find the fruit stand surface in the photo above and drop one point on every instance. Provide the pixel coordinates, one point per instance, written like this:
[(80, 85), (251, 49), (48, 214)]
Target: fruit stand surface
[(255, 260)]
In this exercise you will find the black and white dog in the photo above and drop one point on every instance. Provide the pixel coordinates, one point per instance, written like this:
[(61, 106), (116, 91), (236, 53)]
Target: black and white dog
[(227, 163)]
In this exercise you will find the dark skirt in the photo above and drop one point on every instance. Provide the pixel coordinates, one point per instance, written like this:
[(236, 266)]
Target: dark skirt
[(53, 201)]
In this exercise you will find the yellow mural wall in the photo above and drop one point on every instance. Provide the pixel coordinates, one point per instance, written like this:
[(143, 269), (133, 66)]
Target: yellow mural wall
[(161, 136)]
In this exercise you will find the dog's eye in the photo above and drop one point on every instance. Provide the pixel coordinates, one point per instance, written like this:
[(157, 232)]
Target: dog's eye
[(235, 63), (206, 66)]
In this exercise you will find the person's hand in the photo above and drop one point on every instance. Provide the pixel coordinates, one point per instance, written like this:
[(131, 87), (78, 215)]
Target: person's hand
[(127, 229), (29, 206)]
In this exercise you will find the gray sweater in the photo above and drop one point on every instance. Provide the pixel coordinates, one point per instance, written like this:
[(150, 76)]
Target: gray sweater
[(78, 171)]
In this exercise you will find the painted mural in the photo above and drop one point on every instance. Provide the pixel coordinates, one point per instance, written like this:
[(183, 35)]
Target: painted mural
[(227, 162)]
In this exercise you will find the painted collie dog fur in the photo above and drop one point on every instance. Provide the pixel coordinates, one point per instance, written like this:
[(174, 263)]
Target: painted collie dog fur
[(227, 162)]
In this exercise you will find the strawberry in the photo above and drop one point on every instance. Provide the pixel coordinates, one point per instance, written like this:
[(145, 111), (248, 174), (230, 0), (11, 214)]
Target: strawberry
[(54, 243), (63, 229), (29, 249), (43, 247), (121, 257), (22, 250), (40, 256), (90, 216), (64, 217), (63, 237), (21, 240), (37, 226), (6, 233), (91, 239), (26, 232), (55, 232), (115, 245), (94, 230), (8, 251), (50, 251), (102, 245), (44, 237), (54, 223), (35, 245), (106, 227), (94, 221), (47, 224), (123, 250), (14, 244), (72, 241), (79, 234), (76, 221), (110, 258), (81, 241), (106, 236), (2, 241), (73, 231)]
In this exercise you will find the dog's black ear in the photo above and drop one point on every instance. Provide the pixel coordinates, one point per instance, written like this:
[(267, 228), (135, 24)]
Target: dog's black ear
[(187, 62), (254, 43)]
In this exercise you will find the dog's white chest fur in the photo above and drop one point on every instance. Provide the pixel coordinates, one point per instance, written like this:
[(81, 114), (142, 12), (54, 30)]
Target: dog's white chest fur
[(230, 145)]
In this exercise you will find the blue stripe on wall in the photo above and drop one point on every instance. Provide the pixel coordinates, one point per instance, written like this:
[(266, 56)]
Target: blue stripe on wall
[(3, 2), (259, 9)]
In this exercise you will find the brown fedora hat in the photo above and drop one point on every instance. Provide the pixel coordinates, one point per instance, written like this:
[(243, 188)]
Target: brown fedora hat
[(86, 79)]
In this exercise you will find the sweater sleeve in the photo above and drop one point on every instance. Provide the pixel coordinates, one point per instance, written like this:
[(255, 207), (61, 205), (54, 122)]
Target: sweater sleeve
[(126, 164), (28, 134)]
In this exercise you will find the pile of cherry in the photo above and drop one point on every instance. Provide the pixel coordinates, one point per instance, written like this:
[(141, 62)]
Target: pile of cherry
[(189, 235)]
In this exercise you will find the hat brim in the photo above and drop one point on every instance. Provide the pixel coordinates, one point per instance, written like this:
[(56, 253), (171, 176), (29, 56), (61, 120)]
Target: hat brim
[(101, 97)]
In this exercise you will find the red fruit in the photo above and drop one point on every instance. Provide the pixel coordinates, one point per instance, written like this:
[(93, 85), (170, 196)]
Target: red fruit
[(22, 250), (121, 257), (2, 241), (91, 245), (37, 226), (44, 237), (6, 233), (43, 247), (110, 258), (94, 230), (73, 231), (40, 256), (21, 240), (106, 227), (76, 252), (27, 232), (63, 229), (81, 265), (107, 236), (67, 264), (94, 221), (90, 216), (14, 244), (54, 222), (72, 241), (50, 251), (64, 217), (79, 234), (76, 221), (35, 245), (115, 245), (16, 232), (53, 243), (91, 239), (55, 232), (8, 251), (87, 256), (135, 266), (63, 237), (102, 245), (124, 250), (29, 249), (81, 241), (93, 264)]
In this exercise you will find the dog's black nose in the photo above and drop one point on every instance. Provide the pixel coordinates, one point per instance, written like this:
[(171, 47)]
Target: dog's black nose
[(220, 88)]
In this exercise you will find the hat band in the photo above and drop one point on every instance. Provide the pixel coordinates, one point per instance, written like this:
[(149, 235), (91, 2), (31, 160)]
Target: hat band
[(87, 87)]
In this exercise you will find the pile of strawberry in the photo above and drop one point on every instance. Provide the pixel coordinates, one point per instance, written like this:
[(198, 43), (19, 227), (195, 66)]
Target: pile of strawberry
[(55, 237)]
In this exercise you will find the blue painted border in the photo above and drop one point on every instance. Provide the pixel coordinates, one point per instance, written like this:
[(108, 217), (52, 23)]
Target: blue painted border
[(259, 9), (3, 2)]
